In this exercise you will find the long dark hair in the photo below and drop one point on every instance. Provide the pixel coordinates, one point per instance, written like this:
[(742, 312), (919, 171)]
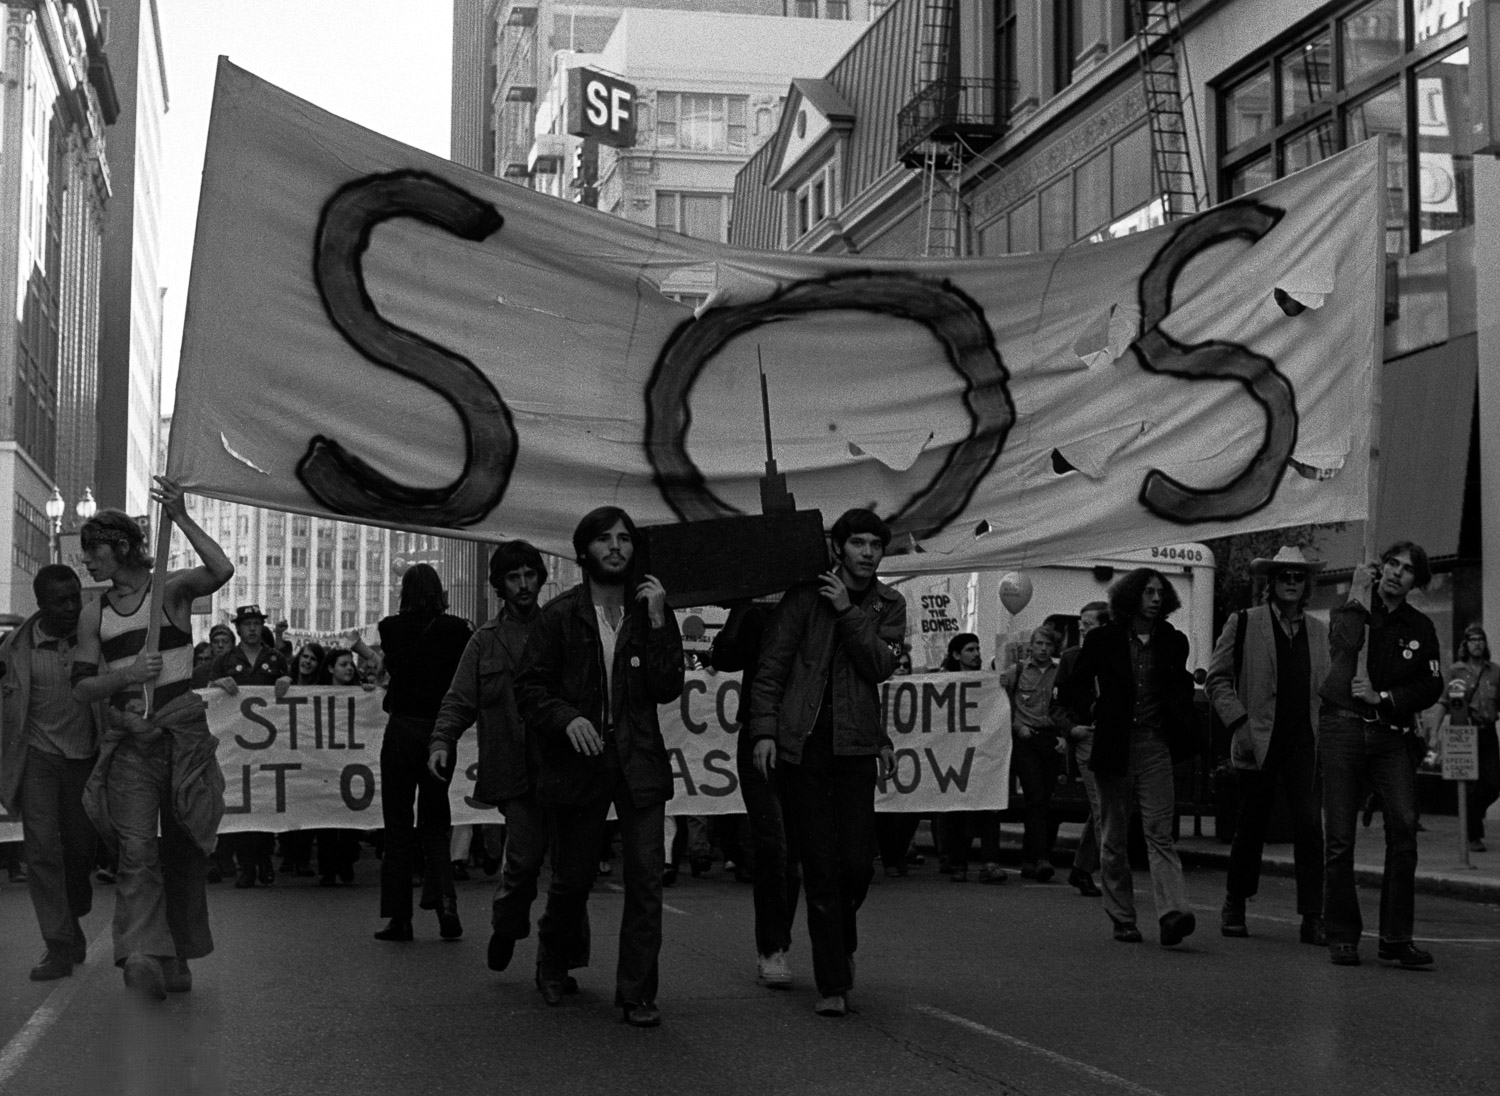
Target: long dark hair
[(602, 520), (318, 652), (1125, 595), (422, 591)]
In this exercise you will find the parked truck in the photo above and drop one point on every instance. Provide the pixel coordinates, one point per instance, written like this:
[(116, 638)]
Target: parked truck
[(940, 606)]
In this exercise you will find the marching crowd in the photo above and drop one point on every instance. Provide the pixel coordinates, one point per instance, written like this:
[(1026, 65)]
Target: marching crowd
[(98, 737)]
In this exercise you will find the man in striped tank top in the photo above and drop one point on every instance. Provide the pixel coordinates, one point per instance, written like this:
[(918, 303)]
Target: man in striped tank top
[(157, 768)]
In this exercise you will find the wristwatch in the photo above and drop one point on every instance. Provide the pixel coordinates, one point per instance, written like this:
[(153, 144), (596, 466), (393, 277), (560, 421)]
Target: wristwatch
[(1385, 697)]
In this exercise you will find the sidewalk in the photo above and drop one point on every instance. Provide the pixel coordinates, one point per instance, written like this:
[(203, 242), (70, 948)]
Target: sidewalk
[(1439, 868)]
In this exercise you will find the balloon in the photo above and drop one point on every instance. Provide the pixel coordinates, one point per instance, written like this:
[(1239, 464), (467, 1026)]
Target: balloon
[(1015, 592)]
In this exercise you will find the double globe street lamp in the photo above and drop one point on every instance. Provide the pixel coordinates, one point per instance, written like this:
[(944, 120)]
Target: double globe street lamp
[(85, 508)]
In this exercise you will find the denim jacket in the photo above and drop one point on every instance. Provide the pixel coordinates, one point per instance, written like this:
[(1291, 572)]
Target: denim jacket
[(800, 654)]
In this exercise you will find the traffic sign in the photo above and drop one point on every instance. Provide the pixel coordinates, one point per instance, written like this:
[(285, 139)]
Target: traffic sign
[(1460, 751)]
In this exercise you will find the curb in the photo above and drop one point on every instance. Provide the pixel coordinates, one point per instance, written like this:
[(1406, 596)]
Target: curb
[(1443, 884), (1448, 886)]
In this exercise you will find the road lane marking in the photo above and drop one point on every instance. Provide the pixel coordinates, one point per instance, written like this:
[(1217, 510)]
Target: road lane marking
[(1092, 1072), (46, 1014), (670, 909)]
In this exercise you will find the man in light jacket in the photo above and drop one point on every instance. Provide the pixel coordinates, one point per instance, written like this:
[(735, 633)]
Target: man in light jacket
[(816, 720), (1264, 686)]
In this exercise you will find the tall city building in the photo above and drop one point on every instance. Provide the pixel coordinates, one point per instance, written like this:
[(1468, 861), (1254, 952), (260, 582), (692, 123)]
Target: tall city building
[(323, 577), (495, 93), (992, 127), (505, 53), (707, 92), (130, 292), (57, 95)]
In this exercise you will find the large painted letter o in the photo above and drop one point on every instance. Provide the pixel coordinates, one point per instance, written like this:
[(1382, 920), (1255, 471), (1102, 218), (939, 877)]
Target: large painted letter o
[(955, 320)]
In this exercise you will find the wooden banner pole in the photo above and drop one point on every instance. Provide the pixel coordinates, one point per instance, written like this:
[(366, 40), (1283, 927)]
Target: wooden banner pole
[(1372, 485), (158, 595)]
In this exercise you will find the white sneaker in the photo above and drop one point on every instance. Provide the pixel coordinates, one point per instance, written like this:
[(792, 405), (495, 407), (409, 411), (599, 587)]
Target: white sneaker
[(773, 971), (831, 1006)]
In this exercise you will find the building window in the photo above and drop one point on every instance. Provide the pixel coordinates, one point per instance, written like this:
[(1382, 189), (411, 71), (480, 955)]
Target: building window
[(1348, 78), (701, 123), (801, 9), (38, 332), (300, 524), (242, 525), (699, 215), (299, 557), (348, 618), (325, 589), (835, 9), (299, 618), (1445, 165), (1005, 58), (815, 200), (31, 541), (325, 620), (1067, 41), (273, 559)]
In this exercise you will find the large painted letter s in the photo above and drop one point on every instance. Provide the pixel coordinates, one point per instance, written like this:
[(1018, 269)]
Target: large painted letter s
[(344, 482), (1255, 485)]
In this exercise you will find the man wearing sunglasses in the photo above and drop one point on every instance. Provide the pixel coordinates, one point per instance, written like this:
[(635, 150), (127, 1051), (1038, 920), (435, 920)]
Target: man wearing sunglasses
[(1263, 682)]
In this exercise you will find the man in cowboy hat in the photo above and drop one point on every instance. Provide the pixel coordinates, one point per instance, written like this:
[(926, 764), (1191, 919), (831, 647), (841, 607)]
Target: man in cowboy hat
[(252, 661), (1263, 682)]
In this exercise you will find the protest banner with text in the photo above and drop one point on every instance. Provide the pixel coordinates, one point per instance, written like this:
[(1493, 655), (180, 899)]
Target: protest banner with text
[(312, 758), (518, 360)]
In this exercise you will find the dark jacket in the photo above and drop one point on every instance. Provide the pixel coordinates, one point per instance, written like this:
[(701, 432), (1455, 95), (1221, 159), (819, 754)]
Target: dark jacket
[(1064, 715), (1104, 668), (483, 690), (562, 678), (1403, 661), (737, 647), (263, 670), (799, 655), (420, 654)]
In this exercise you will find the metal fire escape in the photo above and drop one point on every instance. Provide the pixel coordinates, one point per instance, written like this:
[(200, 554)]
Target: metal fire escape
[(1170, 111), (938, 129)]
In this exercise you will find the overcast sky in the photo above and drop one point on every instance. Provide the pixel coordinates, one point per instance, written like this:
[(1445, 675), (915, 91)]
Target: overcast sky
[(382, 63)]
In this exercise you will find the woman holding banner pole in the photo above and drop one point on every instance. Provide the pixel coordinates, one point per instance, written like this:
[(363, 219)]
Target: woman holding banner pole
[(157, 772), (422, 645)]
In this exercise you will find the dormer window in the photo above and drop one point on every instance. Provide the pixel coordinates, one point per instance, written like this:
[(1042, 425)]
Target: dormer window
[(810, 147)]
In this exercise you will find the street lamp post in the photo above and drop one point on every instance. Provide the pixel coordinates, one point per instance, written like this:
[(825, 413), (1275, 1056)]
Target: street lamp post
[(55, 507), (86, 507)]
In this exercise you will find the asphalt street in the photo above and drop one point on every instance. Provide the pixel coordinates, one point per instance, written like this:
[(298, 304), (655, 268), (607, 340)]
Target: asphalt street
[(1016, 989)]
